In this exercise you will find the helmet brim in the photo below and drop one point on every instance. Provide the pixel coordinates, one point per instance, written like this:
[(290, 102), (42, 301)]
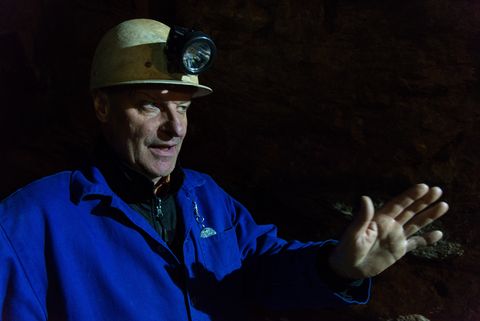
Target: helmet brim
[(199, 90)]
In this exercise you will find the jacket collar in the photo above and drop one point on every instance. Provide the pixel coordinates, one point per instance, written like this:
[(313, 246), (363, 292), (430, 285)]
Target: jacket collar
[(90, 182), (192, 180), (87, 183)]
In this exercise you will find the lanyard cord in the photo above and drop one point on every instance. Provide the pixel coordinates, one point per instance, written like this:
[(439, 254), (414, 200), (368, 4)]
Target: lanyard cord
[(205, 231)]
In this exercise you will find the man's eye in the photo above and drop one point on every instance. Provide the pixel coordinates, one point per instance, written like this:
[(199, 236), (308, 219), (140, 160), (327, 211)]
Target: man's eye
[(183, 108), (150, 106)]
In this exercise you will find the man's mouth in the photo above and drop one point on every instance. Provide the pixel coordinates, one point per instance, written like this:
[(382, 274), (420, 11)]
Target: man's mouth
[(163, 150)]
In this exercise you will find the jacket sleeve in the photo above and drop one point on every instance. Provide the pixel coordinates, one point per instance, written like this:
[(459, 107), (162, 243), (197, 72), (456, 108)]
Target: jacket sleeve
[(284, 274), (17, 298)]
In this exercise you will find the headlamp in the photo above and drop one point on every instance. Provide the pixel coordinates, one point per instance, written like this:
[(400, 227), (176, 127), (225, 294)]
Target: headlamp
[(189, 51)]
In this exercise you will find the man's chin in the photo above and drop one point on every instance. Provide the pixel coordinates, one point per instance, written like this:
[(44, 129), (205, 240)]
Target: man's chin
[(157, 173)]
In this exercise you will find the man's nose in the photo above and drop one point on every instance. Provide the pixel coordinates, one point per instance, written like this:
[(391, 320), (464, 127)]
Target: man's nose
[(173, 122)]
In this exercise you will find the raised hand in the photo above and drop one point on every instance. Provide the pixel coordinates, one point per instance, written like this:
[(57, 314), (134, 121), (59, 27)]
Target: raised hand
[(376, 240)]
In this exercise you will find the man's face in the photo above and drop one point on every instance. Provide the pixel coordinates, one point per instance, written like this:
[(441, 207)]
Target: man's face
[(146, 126)]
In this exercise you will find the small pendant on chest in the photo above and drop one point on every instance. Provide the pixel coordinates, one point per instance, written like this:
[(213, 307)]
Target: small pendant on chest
[(207, 232)]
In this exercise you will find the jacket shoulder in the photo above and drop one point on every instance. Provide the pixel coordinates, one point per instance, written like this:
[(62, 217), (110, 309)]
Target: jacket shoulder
[(42, 188)]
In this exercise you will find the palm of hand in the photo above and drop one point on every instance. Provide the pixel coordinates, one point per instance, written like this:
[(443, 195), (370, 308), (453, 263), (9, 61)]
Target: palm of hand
[(375, 241)]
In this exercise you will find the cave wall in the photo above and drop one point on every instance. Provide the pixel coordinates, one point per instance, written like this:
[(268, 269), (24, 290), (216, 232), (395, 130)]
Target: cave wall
[(315, 103)]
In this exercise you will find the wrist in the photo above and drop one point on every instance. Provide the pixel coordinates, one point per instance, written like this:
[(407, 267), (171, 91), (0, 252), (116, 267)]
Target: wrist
[(340, 266), (330, 272)]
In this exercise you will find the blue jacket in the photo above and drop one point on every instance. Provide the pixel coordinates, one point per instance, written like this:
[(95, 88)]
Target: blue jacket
[(70, 249)]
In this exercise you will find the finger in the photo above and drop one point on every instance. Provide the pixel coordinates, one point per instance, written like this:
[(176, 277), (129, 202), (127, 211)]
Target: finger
[(398, 204), (364, 216), (424, 240), (423, 219), (419, 205)]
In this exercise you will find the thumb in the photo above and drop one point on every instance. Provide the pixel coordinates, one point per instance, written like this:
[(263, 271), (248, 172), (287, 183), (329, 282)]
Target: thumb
[(364, 216)]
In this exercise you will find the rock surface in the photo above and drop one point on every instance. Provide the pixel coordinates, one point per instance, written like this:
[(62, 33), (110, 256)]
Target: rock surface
[(411, 317)]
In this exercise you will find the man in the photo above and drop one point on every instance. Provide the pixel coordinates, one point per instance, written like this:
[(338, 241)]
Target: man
[(132, 236)]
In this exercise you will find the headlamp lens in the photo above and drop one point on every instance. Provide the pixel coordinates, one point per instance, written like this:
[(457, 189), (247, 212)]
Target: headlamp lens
[(197, 56), (189, 51)]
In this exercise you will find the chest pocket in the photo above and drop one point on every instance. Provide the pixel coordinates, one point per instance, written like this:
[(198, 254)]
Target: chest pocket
[(221, 254)]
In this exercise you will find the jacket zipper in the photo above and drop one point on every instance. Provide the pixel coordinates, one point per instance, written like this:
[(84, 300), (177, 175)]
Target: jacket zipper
[(158, 210)]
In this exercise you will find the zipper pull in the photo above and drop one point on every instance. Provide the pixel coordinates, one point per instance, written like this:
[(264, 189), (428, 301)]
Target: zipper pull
[(158, 207)]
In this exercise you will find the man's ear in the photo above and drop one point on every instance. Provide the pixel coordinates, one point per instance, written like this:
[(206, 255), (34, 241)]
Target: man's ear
[(101, 104)]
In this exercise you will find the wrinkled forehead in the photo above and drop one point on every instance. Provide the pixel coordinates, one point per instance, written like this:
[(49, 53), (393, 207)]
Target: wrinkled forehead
[(153, 92)]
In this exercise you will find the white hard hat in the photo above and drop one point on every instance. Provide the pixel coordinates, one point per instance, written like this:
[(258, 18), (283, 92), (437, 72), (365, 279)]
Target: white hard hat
[(133, 52)]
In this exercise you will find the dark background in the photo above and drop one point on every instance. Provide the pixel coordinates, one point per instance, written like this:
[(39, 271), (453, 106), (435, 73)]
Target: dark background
[(315, 103)]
